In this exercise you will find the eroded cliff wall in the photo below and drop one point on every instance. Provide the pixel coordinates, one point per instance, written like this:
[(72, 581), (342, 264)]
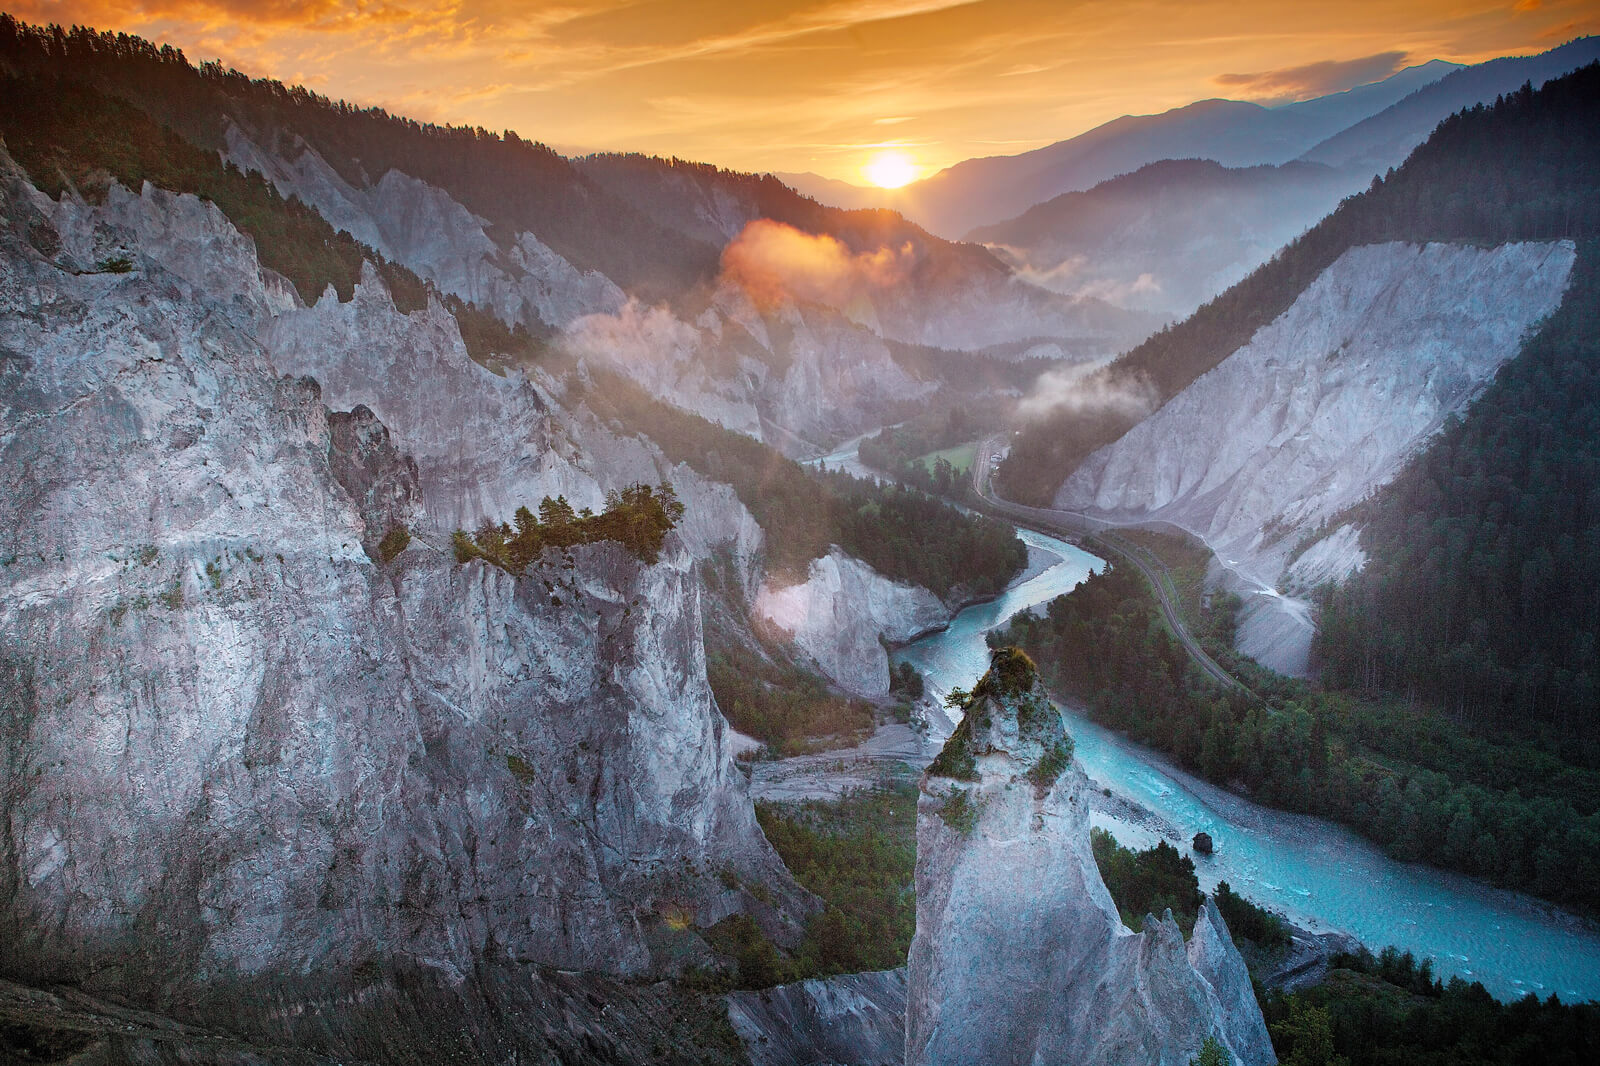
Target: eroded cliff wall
[(236, 744), (1019, 954), (843, 612), (1323, 405)]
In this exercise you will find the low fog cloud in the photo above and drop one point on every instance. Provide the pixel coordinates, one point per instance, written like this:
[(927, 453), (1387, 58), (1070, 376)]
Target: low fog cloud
[(1073, 277), (635, 336), (1087, 390), (772, 261)]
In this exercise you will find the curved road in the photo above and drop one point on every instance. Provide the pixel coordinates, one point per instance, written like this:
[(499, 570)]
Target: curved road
[(1071, 524)]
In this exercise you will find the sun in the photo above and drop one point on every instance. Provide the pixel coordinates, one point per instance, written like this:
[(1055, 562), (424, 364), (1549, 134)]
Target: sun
[(890, 170)]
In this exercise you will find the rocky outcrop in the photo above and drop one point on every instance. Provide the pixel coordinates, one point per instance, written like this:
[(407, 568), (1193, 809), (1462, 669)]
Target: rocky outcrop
[(1019, 954), (857, 1019), (484, 444), (791, 378), (795, 376), (843, 612), (487, 443), (426, 230), (236, 749), (1324, 405)]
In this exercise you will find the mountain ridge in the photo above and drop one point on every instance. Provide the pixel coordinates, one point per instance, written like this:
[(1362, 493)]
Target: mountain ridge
[(988, 189)]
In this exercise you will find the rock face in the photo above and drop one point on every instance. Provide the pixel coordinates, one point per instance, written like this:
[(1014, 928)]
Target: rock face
[(857, 1019), (1019, 954), (800, 374), (841, 614), (423, 228), (484, 444), (1324, 405), (791, 377), (238, 748), (795, 376)]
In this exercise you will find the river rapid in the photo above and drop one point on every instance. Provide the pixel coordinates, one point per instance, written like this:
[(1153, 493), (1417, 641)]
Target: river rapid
[(1320, 875)]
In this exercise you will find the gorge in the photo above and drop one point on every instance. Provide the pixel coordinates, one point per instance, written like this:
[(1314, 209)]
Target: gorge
[(466, 602)]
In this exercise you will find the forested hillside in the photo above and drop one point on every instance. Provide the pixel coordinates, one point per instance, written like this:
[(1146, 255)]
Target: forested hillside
[(516, 184), (1525, 168), (1423, 789), (67, 133), (1170, 235), (1481, 591), (722, 200)]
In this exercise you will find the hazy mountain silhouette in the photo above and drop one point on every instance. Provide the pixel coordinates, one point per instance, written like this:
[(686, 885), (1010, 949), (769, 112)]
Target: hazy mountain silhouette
[(1232, 132)]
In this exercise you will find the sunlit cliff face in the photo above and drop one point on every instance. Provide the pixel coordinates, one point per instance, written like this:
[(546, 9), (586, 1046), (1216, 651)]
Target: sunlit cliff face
[(796, 85)]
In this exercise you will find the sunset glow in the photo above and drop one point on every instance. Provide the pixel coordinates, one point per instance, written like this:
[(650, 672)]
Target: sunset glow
[(811, 85), (890, 170)]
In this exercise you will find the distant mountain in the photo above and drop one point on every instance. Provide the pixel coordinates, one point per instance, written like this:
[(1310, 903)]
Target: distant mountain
[(1234, 133), (839, 193), (1174, 234), (1274, 417), (1385, 139), (946, 294), (1169, 236), (1520, 171)]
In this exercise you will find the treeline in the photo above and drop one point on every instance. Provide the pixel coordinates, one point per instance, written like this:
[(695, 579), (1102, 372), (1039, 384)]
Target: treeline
[(1159, 877), (638, 517), (70, 134), (901, 533), (1525, 168), (1481, 591), (1147, 882), (1387, 1010), (1423, 789), (786, 708), (517, 184), (898, 451), (859, 855)]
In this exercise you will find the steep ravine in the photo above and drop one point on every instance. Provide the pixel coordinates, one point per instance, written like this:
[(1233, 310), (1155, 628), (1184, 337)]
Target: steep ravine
[(790, 375), (406, 809), (238, 749), (1323, 405), (1020, 955)]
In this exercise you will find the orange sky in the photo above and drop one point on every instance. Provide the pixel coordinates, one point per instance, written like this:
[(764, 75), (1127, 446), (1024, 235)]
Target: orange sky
[(821, 85)]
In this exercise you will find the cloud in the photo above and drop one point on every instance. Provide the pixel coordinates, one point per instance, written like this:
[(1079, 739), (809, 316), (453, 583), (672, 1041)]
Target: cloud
[(1087, 391), (639, 337), (1312, 79), (1072, 276), (772, 262), (322, 15)]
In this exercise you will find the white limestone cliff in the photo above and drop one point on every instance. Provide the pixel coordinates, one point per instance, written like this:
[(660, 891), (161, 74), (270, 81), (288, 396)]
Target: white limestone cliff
[(1324, 405), (1019, 954), (426, 230), (235, 744), (843, 612), (817, 378)]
